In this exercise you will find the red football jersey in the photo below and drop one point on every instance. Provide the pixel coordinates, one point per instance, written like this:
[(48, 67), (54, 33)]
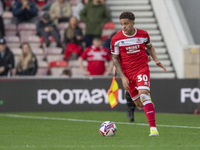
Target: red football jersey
[(96, 58), (131, 49)]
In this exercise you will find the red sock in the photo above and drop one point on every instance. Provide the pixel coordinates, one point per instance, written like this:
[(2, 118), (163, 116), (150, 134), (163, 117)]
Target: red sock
[(150, 114)]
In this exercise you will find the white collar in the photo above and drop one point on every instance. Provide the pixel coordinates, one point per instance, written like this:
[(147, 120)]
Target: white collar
[(130, 35)]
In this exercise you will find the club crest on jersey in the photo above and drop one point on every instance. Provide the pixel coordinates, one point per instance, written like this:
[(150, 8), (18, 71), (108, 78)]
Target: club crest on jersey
[(133, 49), (138, 41)]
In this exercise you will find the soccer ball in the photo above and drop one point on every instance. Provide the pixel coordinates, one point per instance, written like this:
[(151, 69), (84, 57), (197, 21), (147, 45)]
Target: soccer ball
[(108, 128)]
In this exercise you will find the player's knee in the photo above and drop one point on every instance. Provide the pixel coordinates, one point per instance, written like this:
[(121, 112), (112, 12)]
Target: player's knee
[(145, 99), (138, 104)]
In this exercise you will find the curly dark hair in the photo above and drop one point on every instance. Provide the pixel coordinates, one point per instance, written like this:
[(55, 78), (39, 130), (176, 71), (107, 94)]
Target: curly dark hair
[(127, 15)]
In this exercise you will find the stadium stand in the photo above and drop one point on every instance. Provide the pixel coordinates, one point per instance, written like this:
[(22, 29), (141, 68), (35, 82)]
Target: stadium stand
[(33, 40), (7, 17), (39, 53), (13, 41), (145, 20), (26, 27), (61, 27), (53, 57), (42, 68), (10, 29)]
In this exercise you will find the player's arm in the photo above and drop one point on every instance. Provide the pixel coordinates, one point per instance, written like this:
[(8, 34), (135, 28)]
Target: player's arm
[(117, 65), (116, 62), (152, 52)]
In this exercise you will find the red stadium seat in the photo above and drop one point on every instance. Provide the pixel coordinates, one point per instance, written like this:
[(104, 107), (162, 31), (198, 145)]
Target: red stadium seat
[(59, 63), (56, 67), (108, 29), (109, 25)]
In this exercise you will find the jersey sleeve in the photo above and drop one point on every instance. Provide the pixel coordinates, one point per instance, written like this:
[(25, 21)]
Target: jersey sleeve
[(114, 47), (147, 42)]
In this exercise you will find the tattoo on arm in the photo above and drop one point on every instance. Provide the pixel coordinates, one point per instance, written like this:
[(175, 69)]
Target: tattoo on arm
[(116, 62)]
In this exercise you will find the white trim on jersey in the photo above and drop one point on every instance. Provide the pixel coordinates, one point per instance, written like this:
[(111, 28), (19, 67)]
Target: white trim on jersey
[(132, 41), (128, 42), (136, 97), (130, 35), (116, 50), (143, 88)]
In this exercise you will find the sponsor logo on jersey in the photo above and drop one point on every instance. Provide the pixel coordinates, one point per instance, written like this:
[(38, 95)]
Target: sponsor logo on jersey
[(133, 49)]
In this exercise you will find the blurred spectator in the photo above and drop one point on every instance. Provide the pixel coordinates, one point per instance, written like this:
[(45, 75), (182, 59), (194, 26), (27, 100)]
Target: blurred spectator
[(95, 15), (79, 8), (8, 4), (2, 32), (47, 28), (44, 4), (3, 4), (6, 59), (40, 4), (25, 11), (73, 38), (96, 56), (107, 7), (108, 41), (66, 73), (27, 64), (60, 11)]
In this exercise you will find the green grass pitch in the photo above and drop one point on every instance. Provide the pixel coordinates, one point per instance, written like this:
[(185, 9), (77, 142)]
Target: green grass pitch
[(80, 131)]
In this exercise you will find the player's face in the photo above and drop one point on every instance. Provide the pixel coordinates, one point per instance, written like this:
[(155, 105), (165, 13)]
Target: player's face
[(127, 26)]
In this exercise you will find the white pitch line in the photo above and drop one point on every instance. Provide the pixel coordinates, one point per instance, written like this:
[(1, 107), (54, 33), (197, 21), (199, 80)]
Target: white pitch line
[(93, 146), (92, 121), (71, 146)]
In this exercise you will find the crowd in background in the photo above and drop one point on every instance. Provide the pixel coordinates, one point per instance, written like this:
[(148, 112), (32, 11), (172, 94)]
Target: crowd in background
[(76, 45)]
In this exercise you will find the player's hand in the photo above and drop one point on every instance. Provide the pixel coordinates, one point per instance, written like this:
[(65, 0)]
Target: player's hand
[(125, 83), (159, 64)]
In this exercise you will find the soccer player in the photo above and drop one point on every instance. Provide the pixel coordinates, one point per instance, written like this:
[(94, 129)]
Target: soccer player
[(130, 104), (131, 62)]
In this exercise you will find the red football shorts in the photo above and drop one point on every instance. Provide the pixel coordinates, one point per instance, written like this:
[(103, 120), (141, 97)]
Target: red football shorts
[(139, 80)]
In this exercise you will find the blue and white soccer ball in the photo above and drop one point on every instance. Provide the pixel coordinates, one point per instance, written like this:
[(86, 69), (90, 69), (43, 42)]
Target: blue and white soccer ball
[(108, 128)]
